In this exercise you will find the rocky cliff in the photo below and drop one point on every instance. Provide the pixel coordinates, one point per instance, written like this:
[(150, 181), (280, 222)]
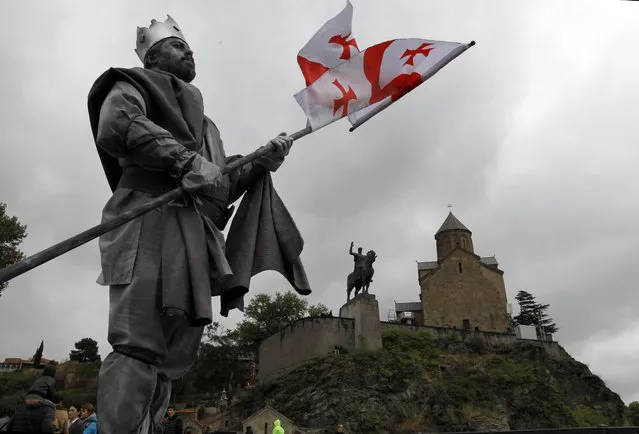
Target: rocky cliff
[(417, 382)]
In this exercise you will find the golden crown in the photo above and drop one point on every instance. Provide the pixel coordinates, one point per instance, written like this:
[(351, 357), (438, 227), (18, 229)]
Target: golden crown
[(156, 32)]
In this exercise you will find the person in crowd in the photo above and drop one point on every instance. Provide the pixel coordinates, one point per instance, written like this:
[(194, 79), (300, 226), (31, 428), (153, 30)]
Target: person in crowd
[(42, 390), (33, 419), (277, 428), (75, 422), (89, 419), (61, 415), (173, 424)]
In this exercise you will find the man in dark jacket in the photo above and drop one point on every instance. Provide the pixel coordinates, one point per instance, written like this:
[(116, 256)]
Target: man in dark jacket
[(33, 420), (76, 425), (42, 390), (173, 424)]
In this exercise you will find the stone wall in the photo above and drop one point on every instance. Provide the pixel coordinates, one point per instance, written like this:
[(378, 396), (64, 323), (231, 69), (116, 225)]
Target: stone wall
[(302, 341), (490, 338), (462, 288)]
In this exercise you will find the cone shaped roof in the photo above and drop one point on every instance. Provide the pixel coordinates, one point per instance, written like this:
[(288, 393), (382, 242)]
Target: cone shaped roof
[(452, 223)]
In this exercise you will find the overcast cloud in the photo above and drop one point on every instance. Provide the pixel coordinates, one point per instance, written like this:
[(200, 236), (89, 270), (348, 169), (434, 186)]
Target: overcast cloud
[(531, 135)]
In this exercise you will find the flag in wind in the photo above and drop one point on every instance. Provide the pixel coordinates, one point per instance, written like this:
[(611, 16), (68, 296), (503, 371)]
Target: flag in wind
[(330, 46), (343, 81)]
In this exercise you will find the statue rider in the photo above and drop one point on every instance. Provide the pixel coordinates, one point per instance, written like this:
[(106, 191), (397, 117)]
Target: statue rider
[(360, 261)]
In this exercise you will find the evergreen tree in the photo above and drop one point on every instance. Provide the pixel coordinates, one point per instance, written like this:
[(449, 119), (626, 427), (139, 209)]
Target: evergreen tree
[(533, 313), (37, 357), (527, 305), (543, 320), (86, 351)]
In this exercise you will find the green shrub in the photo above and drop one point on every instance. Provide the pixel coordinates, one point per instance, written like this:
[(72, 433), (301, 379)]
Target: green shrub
[(14, 387), (587, 416), (476, 345), (510, 371)]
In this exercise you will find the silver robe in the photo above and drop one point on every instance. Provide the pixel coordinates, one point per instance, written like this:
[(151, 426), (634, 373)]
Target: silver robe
[(194, 266)]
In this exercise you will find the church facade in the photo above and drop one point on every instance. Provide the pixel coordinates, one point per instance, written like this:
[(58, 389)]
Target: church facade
[(461, 289)]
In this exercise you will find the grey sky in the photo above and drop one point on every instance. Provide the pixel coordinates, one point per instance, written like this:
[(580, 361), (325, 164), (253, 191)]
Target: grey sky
[(531, 134)]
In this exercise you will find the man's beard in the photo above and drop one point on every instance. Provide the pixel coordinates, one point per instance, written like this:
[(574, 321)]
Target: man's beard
[(182, 69)]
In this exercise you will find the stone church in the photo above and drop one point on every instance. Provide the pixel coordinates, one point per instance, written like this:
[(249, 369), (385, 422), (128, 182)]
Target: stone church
[(461, 289)]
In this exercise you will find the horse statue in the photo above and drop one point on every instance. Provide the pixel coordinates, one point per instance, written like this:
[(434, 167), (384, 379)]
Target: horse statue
[(368, 271), (362, 277)]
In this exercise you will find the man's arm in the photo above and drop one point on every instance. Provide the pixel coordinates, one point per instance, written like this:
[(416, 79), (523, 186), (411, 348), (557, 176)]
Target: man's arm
[(124, 131)]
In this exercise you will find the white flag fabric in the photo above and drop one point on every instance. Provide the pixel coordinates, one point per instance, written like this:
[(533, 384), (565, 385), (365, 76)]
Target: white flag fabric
[(331, 45), (373, 79)]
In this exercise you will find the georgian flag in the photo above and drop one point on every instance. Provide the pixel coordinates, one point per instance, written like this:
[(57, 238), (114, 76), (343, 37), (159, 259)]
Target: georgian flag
[(330, 45), (371, 80)]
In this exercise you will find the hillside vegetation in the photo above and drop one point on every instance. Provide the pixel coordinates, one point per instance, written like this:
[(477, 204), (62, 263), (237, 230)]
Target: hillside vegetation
[(76, 382), (419, 383)]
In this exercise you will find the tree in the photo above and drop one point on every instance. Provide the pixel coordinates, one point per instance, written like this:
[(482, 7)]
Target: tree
[(37, 357), (533, 313), (527, 305), (543, 320), (318, 310), (632, 413), (220, 364), (86, 351), (12, 233), (265, 315)]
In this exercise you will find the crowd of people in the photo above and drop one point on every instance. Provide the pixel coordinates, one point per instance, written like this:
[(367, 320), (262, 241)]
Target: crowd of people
[(43, 411)]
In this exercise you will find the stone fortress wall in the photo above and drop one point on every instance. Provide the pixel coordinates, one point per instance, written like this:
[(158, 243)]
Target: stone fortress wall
[(357, 328), (302, 341)]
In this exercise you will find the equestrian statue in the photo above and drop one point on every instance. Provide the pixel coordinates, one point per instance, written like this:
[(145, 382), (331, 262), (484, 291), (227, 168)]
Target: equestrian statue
[(362, 276)]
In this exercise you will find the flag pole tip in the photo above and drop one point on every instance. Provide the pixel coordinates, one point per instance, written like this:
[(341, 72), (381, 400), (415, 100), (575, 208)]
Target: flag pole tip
[(471, 43)]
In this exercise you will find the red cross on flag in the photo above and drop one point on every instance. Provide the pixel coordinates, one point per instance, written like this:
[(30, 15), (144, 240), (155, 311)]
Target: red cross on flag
[(371, 80), (330, 46)]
